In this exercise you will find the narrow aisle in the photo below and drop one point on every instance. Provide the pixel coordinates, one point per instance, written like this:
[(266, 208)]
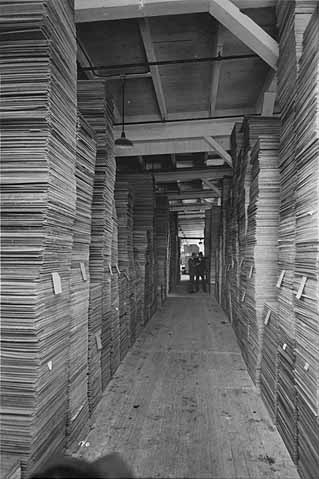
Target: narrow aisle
[(182, 404)]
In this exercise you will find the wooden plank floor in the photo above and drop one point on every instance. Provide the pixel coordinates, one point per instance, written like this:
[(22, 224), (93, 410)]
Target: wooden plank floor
[(182, 404)]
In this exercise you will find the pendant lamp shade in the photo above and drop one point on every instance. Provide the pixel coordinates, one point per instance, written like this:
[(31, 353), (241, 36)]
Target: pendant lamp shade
[(123, 142)]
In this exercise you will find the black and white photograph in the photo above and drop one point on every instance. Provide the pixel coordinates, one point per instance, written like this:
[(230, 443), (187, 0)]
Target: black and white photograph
[(159, 186)]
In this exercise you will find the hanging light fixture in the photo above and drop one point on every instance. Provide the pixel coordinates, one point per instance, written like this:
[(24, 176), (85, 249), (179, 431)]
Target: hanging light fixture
[(123, 142)]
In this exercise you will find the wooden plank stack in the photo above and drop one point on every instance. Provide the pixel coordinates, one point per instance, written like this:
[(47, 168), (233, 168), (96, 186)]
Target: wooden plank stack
[(94, 104), (292, 19), (237, 151), (215, 227), (161, 232), (174, 251), (38, 123), (78, 411), (144, 207), (116, 332), (306, 285), (124, 200), (261, 241), (269, 358), (225, 242)]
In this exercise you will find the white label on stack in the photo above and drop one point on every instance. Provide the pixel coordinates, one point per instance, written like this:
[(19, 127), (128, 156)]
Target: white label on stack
[(83, 272), (57, 285), (281, 277)]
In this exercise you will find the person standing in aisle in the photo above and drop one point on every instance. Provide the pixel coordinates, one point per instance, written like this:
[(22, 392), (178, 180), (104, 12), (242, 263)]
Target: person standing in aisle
[(192, 271), (201, 271)]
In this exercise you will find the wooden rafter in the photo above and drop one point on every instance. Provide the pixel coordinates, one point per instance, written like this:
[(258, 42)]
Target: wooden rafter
[(151, 57), (170, 147), (246, 30), (178, 130), (199, 207), (101, 10), (191, 195), (190, 174), (217, 147)]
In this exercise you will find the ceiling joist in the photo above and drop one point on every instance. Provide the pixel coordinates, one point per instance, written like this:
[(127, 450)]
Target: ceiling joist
[(191, 195), (190, 208), (101, 10), (190, 174), (178, 130), (170, 147), (249, 32), (150, 55)]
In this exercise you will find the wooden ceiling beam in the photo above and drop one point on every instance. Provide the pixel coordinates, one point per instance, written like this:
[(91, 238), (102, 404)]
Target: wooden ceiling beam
[(190, 174), (267, 97), (220, 150), (171, 147), (249, 32), (200, 208), (191, 195), (151, 57), (101, 10), (128, 76), (178, 130)]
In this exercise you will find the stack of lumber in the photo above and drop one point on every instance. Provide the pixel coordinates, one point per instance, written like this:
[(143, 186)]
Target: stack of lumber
[(124, 201), (38, 143), (124, 309), (261, 241), (244, 178), (150, 280), (207, 241), (174, 251), (140, 239), (115, 321), (79, 294), (226, 245), (237, 149), (161, 231), (214, 257), (95, 106), (269, 358), (144, 253), (306, 287), (292, 19)]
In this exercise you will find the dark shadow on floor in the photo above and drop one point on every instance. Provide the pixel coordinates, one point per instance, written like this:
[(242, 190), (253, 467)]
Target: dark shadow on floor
[(183, 289)]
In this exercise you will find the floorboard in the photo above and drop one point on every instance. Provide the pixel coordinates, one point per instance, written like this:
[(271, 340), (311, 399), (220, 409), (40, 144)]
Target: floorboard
[(182, 404)]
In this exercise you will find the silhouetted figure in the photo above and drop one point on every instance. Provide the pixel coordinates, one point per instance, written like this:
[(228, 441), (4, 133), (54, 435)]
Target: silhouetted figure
[(192, 270), (201, 271), (110, 466)]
